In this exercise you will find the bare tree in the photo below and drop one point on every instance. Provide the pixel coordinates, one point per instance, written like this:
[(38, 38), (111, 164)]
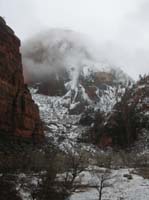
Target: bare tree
[(73, 163), (101, 180)]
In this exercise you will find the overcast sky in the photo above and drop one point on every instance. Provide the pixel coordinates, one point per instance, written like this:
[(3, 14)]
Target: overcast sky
[(119, 27)]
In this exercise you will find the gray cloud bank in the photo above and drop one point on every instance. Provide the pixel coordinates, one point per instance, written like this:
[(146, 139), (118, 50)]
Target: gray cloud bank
[(57, 50), (118, 27)]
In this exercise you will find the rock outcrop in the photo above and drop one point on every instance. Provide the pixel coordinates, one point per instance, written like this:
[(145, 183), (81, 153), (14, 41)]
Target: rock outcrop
[(128, 123), (19, 115)]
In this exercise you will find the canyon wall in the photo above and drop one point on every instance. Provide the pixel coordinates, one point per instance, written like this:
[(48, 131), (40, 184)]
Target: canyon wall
[(19, 115)]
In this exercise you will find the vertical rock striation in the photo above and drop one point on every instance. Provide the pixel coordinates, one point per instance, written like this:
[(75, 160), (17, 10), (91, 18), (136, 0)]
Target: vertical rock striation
[(19, 115)]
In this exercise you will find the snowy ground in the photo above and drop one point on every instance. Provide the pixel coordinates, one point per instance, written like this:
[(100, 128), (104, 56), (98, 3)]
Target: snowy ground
[(122, 188)]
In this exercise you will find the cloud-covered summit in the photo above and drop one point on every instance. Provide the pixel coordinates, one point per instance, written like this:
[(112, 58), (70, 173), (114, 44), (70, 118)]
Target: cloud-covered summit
[(62, 50), (55, 50)]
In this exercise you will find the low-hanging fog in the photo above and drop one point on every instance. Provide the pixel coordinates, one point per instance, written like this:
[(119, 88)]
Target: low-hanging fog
[(118, 29), (59, 50)]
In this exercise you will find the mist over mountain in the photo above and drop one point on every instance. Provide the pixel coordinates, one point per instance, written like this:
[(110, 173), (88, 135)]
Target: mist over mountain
[(73, 124), (65, 63), (57, 50), (70, 77)]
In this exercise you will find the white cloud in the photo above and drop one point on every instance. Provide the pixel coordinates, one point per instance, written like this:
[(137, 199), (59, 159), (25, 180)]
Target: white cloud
[(119, 27)]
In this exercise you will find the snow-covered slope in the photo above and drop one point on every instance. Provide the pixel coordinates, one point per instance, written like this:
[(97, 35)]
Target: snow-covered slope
[(69, 78), (64, 63), (62, 129)]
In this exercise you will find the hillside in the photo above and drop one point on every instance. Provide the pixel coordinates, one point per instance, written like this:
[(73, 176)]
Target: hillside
[(127, 124), (67, 79), (63, 63)]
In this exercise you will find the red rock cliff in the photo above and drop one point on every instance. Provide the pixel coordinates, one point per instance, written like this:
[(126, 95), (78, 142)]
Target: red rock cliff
[(19, 115)]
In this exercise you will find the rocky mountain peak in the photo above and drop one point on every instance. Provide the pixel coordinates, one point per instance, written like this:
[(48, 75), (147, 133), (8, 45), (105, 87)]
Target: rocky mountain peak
[(62, 63)]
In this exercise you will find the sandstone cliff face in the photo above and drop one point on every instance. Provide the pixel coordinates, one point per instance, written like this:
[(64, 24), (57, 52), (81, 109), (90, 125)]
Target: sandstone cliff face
[(128, 122), (19, 114)]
